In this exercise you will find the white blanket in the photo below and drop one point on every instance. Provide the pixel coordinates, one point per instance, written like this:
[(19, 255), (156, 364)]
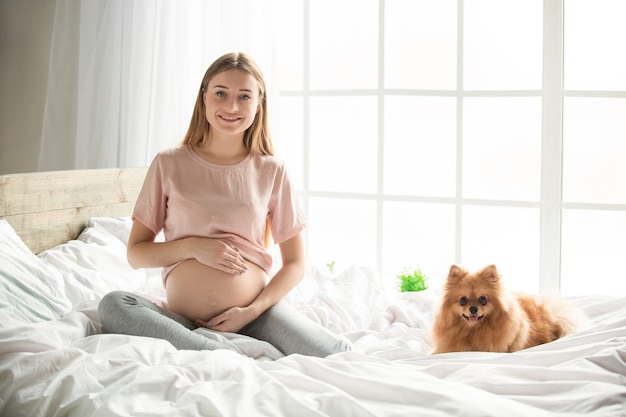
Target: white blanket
[(65, 367)]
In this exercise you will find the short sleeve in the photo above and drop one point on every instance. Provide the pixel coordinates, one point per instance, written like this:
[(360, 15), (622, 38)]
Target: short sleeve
[(150, 207), (285, 214)]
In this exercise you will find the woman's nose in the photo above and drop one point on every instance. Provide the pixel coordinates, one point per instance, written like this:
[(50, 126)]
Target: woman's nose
[(231, 104)]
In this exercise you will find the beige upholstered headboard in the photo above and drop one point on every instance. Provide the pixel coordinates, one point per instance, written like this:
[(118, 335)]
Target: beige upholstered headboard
[(50, 208)]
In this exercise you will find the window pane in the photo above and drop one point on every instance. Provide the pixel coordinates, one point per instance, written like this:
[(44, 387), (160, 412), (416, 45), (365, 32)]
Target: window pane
[(290, 43), (594, 44), (344, 44), (288, 138), (502, 148), (420, 44), (593, 252), (343, 144), (418, 235), (594, 147), (342, 231), (420, 146), (503, 44), (507, 237)]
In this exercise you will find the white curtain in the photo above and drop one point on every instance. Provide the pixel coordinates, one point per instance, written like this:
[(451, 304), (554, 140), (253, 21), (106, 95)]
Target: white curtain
[(124, 74)]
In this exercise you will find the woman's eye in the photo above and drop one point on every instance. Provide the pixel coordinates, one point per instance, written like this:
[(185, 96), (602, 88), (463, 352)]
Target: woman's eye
[(463, 301), (220, 94), (245, 97), (482, 300)]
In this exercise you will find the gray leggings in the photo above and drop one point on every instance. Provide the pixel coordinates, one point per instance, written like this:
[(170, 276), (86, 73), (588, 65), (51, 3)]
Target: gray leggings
[(281, 325)]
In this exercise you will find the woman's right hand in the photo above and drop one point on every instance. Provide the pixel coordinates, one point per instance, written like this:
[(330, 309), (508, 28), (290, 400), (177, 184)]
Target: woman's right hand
[(144, 252), (218, 254)]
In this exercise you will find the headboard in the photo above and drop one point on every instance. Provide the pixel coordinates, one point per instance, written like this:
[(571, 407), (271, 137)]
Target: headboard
[(50, 208)]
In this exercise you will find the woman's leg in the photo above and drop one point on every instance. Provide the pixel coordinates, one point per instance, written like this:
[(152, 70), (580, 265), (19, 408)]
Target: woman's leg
[(292, 332), (126, 313)]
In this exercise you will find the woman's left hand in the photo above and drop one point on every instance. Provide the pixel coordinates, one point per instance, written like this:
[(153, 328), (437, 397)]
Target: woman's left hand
[(231, 320)]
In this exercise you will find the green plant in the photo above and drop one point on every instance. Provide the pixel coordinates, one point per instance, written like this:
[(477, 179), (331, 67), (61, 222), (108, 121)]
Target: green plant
[(331, 267), (412, 279)]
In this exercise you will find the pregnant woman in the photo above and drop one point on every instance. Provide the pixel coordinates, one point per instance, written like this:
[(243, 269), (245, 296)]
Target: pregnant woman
[(219, 198)]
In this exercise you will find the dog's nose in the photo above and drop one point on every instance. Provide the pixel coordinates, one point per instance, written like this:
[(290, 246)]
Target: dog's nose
[(473, 309)]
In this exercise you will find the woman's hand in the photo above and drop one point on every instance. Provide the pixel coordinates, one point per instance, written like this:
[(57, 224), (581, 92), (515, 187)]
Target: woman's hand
[(144, 252), (291, 272), (218, 254), (231, 320)]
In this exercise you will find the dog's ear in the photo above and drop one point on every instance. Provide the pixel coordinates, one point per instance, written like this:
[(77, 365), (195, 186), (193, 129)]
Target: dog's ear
[(490, 272), (456, 272)]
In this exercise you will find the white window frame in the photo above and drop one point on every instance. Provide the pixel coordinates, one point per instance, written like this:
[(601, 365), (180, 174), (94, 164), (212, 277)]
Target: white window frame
[(552, 95)]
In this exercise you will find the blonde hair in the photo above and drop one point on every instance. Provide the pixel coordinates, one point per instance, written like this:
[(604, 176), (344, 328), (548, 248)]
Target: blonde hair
[(257, 137)]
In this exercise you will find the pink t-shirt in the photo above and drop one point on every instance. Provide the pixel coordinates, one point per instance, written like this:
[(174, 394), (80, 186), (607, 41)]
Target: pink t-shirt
[(185, 196)]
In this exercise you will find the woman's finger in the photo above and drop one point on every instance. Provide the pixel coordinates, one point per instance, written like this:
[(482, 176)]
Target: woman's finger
[(237, 262)]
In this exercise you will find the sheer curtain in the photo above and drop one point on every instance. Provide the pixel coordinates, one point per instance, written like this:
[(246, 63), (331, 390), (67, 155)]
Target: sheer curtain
[(124, 74)]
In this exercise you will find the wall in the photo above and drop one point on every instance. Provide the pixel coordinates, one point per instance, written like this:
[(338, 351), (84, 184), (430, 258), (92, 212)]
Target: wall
[(25, 34)]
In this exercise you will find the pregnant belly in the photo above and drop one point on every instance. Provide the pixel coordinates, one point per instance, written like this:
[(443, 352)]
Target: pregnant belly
[(200, 292)]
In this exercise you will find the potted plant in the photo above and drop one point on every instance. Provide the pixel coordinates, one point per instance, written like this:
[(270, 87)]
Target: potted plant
[(412, 279)]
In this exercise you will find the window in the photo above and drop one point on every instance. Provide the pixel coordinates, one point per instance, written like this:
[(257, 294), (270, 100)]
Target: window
[(594, 147), (437, 132)]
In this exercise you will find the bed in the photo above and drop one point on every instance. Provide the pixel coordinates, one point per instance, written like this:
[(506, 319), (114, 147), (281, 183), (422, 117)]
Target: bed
[(62, 246)]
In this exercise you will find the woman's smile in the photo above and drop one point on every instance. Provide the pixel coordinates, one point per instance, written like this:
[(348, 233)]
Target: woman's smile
[(229, 118)]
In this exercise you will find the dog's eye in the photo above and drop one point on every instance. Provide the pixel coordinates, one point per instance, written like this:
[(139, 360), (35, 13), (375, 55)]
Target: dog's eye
[(463, 301), (482, 300)]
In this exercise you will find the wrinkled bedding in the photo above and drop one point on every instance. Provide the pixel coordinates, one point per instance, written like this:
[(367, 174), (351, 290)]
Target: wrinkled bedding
[(54, 361)]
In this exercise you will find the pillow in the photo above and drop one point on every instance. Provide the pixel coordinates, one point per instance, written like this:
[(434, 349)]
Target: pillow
[(117, 226), (30, 291), (95, 263)]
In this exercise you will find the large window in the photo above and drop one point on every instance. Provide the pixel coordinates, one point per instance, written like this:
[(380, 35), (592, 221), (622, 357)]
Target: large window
[(594, 147), (427, 133)]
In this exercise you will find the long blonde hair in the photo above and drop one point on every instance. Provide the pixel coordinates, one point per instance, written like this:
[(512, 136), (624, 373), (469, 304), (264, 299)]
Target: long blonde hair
[(257, 137)]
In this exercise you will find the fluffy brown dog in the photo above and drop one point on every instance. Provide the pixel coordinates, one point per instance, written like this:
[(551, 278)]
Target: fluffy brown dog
[(477, 314)]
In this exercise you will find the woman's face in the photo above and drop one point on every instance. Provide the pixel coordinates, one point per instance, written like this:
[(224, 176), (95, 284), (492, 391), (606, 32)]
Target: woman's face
[(232, 101)]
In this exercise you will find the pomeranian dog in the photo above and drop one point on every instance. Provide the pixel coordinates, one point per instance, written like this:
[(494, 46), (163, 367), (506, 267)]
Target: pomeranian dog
[(477, 314)]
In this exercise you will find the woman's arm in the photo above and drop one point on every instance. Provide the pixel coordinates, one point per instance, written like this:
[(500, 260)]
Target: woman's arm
[(287, 277), (144, 252)]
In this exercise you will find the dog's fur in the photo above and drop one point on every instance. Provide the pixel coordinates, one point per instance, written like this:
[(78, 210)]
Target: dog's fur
[(477, 314)]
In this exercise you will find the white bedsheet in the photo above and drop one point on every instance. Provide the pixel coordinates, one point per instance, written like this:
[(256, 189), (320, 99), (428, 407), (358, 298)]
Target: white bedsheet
[(65, 367)]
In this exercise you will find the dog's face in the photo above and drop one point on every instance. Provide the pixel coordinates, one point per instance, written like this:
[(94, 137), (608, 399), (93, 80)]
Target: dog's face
[(471, 296)]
